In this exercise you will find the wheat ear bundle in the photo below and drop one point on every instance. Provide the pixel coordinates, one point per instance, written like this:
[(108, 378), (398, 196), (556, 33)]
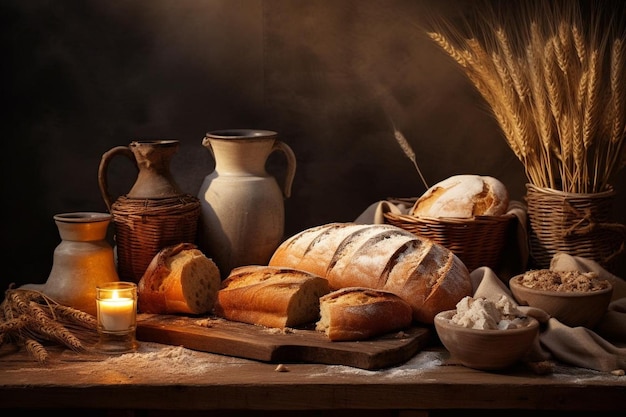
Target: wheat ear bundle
[(31, 319), (554, 77)]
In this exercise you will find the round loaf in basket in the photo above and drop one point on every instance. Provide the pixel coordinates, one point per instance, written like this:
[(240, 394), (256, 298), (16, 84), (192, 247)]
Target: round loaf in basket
[(463, 196)]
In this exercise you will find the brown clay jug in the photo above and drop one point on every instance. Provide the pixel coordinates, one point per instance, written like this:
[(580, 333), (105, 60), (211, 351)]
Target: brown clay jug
[(242, 206), (155, 213), (82, 261), (152, 159)]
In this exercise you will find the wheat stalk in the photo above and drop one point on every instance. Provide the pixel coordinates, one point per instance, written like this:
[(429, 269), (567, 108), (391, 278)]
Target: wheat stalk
[(408, 151), (558, 92)]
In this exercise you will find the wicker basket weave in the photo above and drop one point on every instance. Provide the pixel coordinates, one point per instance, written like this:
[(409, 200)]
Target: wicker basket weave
[(145, 226), (477, 242), (577, 224)]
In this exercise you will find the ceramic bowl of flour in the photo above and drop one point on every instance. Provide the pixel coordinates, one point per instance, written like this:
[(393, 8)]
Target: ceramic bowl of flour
[(486, 349)]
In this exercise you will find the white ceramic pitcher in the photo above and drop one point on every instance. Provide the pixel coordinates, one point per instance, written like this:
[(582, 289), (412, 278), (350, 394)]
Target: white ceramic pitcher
[(242, 217)]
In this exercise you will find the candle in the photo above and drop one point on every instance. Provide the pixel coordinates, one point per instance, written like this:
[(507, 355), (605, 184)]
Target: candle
[(117, 307), (116, 314)]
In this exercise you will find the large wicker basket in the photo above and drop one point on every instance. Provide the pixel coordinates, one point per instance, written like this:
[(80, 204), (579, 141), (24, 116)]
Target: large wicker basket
[(574, 223), (145, 226), (478, 241)]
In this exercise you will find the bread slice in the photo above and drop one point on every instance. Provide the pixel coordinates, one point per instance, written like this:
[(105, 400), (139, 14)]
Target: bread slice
[(357, 313), (179, 279), (270, 296)]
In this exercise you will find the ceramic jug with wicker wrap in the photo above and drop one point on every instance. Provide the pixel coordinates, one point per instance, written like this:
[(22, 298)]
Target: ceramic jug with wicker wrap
[(155, 213), (242, 206)]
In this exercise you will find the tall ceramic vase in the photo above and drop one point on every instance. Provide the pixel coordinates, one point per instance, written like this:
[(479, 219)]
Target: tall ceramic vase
[(82, 261), (574, 223), (242, 206), (155, 213)]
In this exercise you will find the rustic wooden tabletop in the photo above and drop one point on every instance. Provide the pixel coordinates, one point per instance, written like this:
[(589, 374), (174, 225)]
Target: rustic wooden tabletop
[(165, 377)]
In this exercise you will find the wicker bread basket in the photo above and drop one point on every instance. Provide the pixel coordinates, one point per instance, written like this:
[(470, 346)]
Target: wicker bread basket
[(478, 241)]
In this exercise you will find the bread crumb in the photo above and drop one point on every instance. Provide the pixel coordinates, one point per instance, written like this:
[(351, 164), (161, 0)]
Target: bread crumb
[(281, 368), (541, 367), (206, 322), (278, 330)]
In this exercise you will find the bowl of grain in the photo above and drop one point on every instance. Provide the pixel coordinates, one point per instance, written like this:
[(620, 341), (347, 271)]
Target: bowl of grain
[(574, 298), (486, 335)]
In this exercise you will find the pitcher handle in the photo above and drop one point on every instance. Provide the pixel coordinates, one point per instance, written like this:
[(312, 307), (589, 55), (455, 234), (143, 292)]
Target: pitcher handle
[(291, 165), (206, 142), (103, 171)]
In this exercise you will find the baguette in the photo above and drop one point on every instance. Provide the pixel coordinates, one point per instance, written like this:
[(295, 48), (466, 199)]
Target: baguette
[(179, 279), (429, 277), (270, 296), (362, 313)]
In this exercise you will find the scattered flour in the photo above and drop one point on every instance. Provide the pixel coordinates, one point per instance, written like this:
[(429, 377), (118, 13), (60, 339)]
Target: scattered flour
[(419, 363), (168, 360)]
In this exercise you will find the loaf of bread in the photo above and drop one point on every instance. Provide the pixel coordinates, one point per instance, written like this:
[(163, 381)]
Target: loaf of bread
[(179, 279), (429, 277), (463, 196), (361, 313), (271, 296)]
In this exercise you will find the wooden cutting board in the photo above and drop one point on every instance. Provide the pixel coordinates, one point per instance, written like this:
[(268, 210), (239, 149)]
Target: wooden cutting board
[(216, 335)]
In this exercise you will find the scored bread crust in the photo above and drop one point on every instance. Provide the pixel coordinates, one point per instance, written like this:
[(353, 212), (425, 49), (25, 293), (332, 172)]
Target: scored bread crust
[(362, 313), (428, 276), (179, 279), (270, 296), (463, 196)]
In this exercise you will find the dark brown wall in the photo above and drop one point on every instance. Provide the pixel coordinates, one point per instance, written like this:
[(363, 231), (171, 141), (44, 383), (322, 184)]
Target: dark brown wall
[(80, 77)]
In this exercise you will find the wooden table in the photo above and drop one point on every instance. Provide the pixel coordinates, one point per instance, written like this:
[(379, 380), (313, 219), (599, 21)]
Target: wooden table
[(167, 379)]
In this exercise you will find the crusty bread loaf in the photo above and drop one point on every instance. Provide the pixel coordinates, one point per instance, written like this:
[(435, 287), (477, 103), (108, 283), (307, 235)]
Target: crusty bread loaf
[(463, 196), (270, 296), (429, 277), (179, 279), (356, 313)]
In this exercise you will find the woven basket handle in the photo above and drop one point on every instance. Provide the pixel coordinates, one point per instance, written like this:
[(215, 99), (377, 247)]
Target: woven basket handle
[(104, 167)]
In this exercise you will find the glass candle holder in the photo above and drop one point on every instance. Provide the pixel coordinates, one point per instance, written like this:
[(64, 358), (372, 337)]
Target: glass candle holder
[(116, 304)]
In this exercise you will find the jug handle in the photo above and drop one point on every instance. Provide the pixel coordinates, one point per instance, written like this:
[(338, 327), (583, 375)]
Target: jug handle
[(206, 142), (291, 165), (103, 170)]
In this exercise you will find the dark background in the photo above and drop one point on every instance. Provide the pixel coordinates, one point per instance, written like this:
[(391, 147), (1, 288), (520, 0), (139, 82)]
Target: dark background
[(80, 77)]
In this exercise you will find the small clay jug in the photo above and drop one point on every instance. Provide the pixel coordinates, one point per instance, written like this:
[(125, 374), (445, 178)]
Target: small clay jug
[(242, 216), (155, 213), (82, 261), (152, 159)]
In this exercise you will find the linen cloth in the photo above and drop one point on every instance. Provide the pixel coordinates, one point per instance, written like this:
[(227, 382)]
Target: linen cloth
[(602, 348)]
